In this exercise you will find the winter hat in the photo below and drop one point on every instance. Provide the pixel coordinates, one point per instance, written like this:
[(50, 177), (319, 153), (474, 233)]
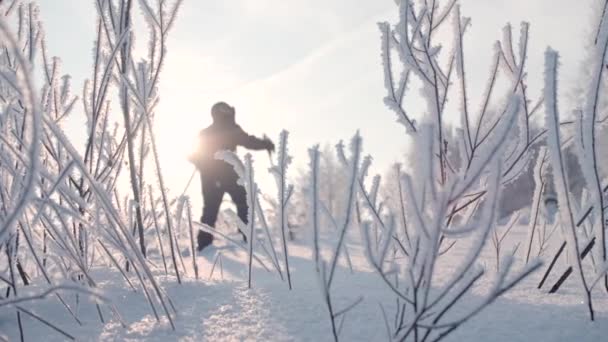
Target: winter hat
[(222, 113)]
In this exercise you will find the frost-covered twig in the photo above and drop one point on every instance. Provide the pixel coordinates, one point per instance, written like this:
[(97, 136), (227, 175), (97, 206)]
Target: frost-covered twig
[(536, 199), (453, 190), (326, 269), (31, 104), (561, 185), (50, 291), (262, 219), (353, 164), (252, 190), (191, 231), (497, 238), (588, 145), (157, 229), (279, 172)]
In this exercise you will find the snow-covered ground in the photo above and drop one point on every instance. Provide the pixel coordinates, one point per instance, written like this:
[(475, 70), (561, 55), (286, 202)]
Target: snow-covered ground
[(220, 307)]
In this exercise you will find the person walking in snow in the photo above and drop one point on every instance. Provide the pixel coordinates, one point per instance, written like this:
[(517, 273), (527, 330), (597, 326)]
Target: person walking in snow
[(217, 176)]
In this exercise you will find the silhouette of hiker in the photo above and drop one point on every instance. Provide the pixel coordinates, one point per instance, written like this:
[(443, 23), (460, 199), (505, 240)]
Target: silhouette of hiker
[(217, 176)]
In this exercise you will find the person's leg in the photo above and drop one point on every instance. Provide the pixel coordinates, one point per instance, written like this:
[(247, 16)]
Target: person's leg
[(239, 197), (212, 198)]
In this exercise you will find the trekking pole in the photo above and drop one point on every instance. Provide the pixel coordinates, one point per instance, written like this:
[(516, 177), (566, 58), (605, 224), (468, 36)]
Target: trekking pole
[(189, 181), (269, 152)]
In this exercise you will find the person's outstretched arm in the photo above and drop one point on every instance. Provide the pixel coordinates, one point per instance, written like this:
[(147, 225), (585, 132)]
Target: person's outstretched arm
[(251, 142)]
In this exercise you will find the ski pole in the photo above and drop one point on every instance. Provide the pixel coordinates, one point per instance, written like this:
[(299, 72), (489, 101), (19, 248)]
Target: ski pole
[(189, 181), (269, 152)]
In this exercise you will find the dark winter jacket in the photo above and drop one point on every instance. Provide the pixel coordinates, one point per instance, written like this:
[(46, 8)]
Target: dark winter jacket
[(223, 134)]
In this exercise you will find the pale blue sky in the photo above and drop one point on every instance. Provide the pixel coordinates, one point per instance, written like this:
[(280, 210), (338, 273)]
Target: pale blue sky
[(311, 67)]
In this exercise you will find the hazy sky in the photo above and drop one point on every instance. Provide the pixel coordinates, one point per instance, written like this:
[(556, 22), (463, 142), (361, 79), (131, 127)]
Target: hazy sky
[(311, 67)]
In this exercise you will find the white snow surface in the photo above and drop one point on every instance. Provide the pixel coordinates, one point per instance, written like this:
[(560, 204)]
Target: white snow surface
[(222, 308)]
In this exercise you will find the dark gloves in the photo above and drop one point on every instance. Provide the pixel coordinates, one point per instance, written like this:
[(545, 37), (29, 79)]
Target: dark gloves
[(269, 145)]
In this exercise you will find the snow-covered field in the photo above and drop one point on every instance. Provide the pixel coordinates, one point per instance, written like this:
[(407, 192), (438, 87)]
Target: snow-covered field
[(220, 307)]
